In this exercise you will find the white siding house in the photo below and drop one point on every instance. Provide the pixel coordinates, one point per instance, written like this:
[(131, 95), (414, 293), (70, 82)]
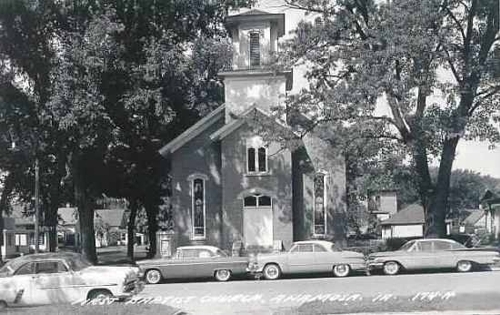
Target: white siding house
[(408, 222)]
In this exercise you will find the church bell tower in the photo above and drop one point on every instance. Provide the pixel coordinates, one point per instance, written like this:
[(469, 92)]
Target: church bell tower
[(252, 79)]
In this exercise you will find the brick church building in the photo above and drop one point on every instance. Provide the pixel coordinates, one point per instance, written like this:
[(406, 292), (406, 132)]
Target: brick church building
[(230, 183)]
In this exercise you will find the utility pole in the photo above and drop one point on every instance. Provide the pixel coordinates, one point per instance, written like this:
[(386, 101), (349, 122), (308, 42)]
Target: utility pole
[(37, 207)]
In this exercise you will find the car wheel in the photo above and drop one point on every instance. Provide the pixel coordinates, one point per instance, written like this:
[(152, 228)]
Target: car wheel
[(391, 268), (222, 275), (272, 272), (341, 270), (3, 305), (464, 266), (153, 276), (99, 295)]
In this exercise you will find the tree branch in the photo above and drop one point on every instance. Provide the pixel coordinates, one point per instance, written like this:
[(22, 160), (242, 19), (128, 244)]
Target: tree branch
[(487, 94), (452, 66), (454, 18)]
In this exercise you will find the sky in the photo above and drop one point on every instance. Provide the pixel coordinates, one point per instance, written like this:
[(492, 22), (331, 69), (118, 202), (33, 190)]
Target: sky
[(472, 155)]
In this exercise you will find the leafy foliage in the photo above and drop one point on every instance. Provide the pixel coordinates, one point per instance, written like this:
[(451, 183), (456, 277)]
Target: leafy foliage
[(366, 53)]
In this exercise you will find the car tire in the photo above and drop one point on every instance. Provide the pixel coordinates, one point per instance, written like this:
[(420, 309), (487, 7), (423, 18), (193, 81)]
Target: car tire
[(222, 275), (341, 270), (99, 294), (3, 305), (271, 272), (464, 266), (153, 276), (391, 268)]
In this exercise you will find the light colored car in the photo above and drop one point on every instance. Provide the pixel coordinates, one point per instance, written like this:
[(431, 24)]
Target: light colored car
[(200, 261), (432, 254), (52, 278), (313, 256)]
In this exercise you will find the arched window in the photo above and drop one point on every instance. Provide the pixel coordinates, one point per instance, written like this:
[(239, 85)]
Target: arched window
[(198, 210), (319, 217), (257, 200)]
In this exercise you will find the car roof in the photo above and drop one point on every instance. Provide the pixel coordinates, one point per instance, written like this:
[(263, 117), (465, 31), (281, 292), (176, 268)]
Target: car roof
[(58, 255), (320, 242), (434, 239), (208, 247)]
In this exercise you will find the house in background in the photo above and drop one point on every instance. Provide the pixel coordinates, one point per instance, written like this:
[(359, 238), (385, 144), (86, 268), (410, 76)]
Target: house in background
[(408, 222), (474, 223), (110, 227), (66, 227), (383, 204), (490, 204), (25, 231), (8, 248), (232, 182)]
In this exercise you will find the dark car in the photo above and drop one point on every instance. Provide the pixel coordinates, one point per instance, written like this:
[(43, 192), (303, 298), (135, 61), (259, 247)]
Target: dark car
[(194, 262)]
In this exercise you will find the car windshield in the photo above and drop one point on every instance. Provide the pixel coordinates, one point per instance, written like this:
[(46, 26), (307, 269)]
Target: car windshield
[(10, 267), (78, 263), (407, 246)]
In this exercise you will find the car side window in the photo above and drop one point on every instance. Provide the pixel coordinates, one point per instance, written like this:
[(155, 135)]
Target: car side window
[(319, 248), (26, 269), (302, 248), (425, 246), (204, 253), (189, 253), (50, 267), (440, 245)]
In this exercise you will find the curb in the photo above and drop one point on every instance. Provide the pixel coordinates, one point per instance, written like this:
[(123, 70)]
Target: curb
[(457, 312)]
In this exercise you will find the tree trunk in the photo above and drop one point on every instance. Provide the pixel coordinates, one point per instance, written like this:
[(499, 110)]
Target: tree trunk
[(51, 221), (85, 216), (4, 203), (436, 213), (131, 228), (152, 213)]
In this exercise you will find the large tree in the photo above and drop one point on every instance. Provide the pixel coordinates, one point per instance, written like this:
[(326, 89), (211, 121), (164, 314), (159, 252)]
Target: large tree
[(129, 79), (364, 53)]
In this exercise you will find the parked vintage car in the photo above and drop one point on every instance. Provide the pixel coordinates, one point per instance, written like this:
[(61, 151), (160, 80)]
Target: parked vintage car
[(313, 256), (51, 278), (200, 261), (432, 254)]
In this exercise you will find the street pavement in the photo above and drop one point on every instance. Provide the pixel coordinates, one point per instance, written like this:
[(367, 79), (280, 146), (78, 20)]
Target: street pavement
[(458, 293)]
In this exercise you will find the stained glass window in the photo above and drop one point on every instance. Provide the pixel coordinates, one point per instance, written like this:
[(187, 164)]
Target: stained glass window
[(319, 204), (198, 207)]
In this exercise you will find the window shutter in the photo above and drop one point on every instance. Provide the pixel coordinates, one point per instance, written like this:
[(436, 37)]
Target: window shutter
[(254, 50)]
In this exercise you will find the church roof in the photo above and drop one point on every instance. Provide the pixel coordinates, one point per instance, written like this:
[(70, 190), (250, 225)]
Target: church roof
[(258, 15), (245, 117), (193, 131)]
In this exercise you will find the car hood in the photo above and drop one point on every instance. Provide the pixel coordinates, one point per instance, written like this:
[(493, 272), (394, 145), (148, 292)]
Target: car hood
[(351, 254), (389, 253), (111, 271)]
